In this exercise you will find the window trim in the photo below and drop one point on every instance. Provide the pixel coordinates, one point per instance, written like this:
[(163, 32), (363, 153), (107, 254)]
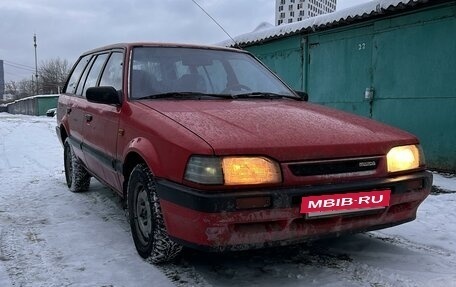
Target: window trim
[(88, 66), (96, 55), (91, 55), (80, 76), (115, 51)]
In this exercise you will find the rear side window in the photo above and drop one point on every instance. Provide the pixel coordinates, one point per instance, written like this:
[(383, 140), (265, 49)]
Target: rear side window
[(112, 74), (95, 72), (76, 75)]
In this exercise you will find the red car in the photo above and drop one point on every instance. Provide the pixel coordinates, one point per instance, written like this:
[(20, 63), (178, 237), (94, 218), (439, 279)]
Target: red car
[(211, 150)]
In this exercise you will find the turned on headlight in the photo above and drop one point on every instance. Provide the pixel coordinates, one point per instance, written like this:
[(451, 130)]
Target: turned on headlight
[(403, 158), (239, 170), (250, 170)]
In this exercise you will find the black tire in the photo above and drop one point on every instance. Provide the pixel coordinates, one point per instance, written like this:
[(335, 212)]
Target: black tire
[(146, 220), (77, 177)]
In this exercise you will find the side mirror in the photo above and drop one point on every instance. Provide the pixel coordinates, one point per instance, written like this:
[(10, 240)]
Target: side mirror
[(103, 95), (304, 96)]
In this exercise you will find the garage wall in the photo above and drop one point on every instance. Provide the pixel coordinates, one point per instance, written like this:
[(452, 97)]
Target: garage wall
[(340, 68), (414, 65), (408, 62), (284, 57), (24, 107), (46, 103), (33, 106)]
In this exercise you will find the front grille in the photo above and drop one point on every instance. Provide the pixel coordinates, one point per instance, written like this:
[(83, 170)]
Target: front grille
[(357, 165)]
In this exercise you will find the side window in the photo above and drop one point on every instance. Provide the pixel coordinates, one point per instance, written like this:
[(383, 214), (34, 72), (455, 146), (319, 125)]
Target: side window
[(94, 73), (83, 78), (76, 75), (112, 74)]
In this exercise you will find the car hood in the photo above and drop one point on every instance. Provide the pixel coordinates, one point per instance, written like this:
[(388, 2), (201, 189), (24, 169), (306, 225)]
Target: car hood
[(286, 130)]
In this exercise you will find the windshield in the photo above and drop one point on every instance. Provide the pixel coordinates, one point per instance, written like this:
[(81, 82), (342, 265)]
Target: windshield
[(167, 70)]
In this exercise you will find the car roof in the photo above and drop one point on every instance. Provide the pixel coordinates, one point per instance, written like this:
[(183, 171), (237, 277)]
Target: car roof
[(156, 44)]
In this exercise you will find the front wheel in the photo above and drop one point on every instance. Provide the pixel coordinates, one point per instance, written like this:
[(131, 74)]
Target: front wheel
[(146, 220), (77, 177)]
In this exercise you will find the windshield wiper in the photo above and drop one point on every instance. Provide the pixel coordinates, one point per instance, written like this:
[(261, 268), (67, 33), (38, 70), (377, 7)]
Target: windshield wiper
[(180, 95), (266, 95)]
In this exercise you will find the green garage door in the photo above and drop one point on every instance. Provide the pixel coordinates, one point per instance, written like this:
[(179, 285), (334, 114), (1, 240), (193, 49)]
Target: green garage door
[(340, 69), (415, 80), (284, 57)]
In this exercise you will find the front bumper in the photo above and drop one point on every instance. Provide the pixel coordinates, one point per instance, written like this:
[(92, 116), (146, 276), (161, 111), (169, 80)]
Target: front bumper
[(217, 221)]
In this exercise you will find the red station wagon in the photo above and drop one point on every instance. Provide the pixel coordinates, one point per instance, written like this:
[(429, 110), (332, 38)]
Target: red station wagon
[(213, 151)]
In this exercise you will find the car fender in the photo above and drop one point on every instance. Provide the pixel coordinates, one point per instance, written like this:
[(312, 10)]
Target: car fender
[(146, 150), (63, 124)]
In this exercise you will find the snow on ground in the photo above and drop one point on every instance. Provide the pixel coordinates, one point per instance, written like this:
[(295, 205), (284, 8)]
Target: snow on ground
[(52, 237)]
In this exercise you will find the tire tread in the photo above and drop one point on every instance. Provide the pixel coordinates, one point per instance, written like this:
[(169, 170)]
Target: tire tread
[(163, 248), (80, 177)]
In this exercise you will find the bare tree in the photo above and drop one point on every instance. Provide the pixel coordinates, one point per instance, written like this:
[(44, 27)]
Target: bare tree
[(53, 74), (11, 87), (25, 88)]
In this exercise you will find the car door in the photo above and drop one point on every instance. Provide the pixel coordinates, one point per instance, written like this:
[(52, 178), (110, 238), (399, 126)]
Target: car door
[(90, 79), (71, 105), (102, 120)]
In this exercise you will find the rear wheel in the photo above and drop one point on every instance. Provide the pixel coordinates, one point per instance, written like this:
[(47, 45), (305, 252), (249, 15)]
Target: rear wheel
[(146, 220), (77, 177)]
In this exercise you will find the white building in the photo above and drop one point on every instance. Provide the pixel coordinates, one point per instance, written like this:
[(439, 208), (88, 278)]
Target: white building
[(289, 11)]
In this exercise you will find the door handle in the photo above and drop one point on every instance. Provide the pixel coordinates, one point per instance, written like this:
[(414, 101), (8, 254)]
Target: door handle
[(88, 117), (68, 110)]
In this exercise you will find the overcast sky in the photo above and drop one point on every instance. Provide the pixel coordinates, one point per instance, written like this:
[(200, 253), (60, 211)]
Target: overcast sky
[(66, 28)]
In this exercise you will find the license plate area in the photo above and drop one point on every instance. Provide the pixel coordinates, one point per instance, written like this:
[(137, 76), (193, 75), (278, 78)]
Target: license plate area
[(345, 203)]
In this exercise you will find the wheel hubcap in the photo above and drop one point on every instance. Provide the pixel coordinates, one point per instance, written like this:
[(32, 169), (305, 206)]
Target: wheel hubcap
[(143, 215)]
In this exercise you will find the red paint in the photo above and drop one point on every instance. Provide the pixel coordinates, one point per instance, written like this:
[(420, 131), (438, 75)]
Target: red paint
[(284, 130), (254, 228)]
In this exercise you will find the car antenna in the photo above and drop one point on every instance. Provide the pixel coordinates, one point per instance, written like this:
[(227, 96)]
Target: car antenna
[(218, 24)]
